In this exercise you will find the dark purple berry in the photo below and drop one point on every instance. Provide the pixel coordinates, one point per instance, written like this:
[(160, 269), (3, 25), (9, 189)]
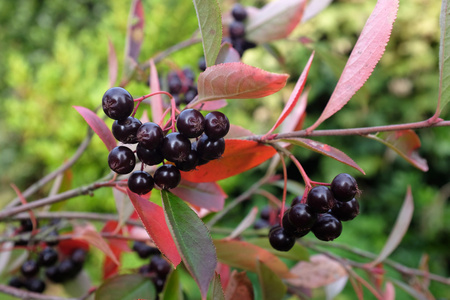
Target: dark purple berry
[(191, 123), (78, 256), (160, 266), (174, 82), (202, 64), (150, 135), (48, 257), (52, 274), (280, 239), (189, 75), (320, 199), (209, 148), (296, 200), (26, 225), (121, 160), (125, 130), (236, 29), (67, 269), (260, 223), (16, 282), (29, 268), (265, 213), (140, 182), (301, 216), (346, 211), (190, 94), (145, 270), (344, 187), (35, 285), (327, 227), (149, 157), (176, 147), (167, 176), (117, 103), (217, 125), (159, 284), (238, 12), (190, 163), (291, 228), (144, 250)]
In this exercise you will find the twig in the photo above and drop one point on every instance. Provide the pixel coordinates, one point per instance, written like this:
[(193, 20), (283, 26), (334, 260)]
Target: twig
[(25, 295)]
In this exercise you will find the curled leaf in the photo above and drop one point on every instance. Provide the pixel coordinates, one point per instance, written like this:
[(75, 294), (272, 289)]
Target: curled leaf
[(227, 54)]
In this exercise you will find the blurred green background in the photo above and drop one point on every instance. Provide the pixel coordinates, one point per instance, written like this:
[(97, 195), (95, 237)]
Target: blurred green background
[(54, 54)]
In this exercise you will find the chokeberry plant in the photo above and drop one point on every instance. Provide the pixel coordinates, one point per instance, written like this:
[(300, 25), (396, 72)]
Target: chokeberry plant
[(181, 169)]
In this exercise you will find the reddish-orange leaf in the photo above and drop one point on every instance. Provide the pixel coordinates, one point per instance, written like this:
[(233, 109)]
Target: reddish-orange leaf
[(117, 247), (239, 156), (154, 221), (208, 195), (66, 247), (240, 287)]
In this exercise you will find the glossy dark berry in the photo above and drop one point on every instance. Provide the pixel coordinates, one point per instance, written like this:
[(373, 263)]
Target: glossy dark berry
[(238, 12), (296, 200), (144, 250), (26, 225), (150, 135), (191, 123), (140, 182), (236, 29), (167, 176), (52, 238), (190, 163), (35, 285), (327, 227), (29, 268), (265, 213), (291, 228), (301, 216), (209, 148), (190, 94), (174, 82), (121, 160), (176, 147), (159, 284), (67, 269), (78, 256), (48, 257), (52, 274), (125, 130), (160, 266), (320, 199), (16, 282), (149, 156), (280, 240), (344, 187), (145, 270), (346, 211), (217, 125), (202, 64), (117, 103)]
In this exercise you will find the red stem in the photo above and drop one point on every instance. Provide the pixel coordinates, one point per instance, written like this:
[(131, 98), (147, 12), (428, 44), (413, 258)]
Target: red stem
[(140, 99)]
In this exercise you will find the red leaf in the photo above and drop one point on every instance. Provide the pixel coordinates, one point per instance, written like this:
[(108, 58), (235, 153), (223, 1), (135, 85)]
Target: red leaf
[(237, 80), (156, 101), (210, 105), (227, 54), (237, 132), (365, 55), (294, 95), (208, 195), (135, 36), (112, 64), (66, 247), (224, 271), (110, 268), (405, 143), (294, 120), (239, 156), (325, 150), (154, 221), (99, 127)]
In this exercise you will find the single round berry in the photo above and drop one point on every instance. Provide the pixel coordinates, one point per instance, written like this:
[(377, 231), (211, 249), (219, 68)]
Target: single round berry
[(48, 257), (190, 95), (145, 270), (344, 187), (144, 250), (296, 200), (174, 82), (159, 284), (121, 160), (125, 130), (26, 225), (160, 266), (149, 157), (190, 163), (189, 75), (236, 29), (35, 285), (29, 268), (16, 282), (265, 213), (346, 211), (291, 228), (280, 239), (327, 227), (176, 147), (260, 223), (191, 123), (78, 256), (320, 199), (67, 269), (140, 182), (52, 238), (117, 103), (238, 12), (52, 274), (150, 135), (202, 64), (301, 216), (167, 177), (217, 125), (209, 148)]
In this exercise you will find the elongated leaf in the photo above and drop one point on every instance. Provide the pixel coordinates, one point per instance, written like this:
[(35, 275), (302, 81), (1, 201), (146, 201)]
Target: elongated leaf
[(405, 143), (276, 20), (192, 239), (210, 24), (325, 150), (298, 252), (243, 255), (227, 54), (444, 57), (112, 64), (99, 127), (237, 80), (271, 285), (295, 119), (399, 229), (152, 217), (110, 268), (365, 55), (389, 293), (124, 206), (217, 290), (155, 101), (298, 89), (240, 287), (314, 7), (209, 105), (135, 36), (239, 156), (126, 287), (208, 195), (172, 287), (237, 132)]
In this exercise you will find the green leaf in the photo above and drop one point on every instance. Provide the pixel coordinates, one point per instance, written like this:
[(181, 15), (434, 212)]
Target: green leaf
[(217, 290), (192, 239), (126, 287), (210, 24), (272, 286), (172, 288), (444, 57), (298, 252)]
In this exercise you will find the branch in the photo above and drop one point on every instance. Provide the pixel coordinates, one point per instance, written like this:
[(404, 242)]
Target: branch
[(21, 294)]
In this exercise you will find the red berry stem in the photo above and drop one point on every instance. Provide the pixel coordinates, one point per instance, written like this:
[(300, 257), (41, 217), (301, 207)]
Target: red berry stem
[(140, 99), (172, 115), (283, 163), (308, 182), (163, 116)]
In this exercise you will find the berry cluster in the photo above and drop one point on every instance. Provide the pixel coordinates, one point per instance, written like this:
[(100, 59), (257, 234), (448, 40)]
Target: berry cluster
[(154, 145), (322, 213), (236, 30), (158, 268), (181, 84)]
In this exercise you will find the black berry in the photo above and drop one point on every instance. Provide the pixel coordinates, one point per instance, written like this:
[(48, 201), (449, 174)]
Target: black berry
[(217, 125), (117, 103), (236, 29), (125, 130), (121, 160), (52, 274), (296, 200), (202, 64), (29, 268), (176, 147), (149, 156), (167, 176), (190, 94), (327, 227), (320, 199), (16, 282), (344, 187), (35, 285), (190, 163), (140, 182), (159, 284), (144, 250), (160, 266), (191, 123), (291, 228), (26, 225), (78, 256), (280, 239), (346, 211), (238, 12), (150, 135), (301, 216), (67, 269), (209, 148), (260, 223), (174, 82), (48, 257)]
